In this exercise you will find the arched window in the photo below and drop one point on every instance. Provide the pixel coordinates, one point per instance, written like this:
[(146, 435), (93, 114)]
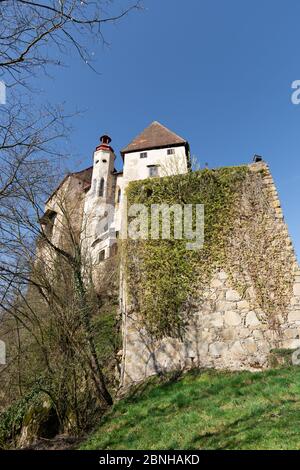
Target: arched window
[(101, 256), (101, 188)]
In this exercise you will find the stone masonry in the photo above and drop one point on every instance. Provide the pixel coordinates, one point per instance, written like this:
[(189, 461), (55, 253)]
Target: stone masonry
[(223, 331)]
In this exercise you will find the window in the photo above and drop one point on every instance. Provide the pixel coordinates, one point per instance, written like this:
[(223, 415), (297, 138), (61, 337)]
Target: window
[(101, 188), (117, 195), (143, 155), (170, 151), (102, 255), (153, 171), (48, 223), (105, 228), (104, 161)]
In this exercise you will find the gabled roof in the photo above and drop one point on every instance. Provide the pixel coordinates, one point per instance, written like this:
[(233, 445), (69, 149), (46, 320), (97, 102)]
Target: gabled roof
[(84, 175), (154, 136)]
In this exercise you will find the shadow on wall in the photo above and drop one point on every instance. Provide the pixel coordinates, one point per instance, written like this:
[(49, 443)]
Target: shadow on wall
[(222, 332)]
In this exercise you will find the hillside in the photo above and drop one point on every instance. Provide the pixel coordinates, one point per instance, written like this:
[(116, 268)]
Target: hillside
[(207, 410)]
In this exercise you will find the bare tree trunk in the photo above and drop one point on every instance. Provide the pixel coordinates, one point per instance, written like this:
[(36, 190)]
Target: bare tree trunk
[(97, 374)]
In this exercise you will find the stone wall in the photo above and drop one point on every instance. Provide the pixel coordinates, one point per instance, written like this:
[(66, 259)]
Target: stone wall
[(225, 329), (223, 333)]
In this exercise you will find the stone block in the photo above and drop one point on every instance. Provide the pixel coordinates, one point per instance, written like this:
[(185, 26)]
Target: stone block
[(203, 350), (222, 275), (291, 333), (263, 347), (244, 332), (228, 334), (296, 288), (242, 305), (223, 306), (207, 336), (217, 320), (257, 334), (232, 318), (294, 316), (291, 344), (232, 295), (237, 350), (216, 349), (250, 345), (216, 284), (295, 301), (251, 292), (251, 319)]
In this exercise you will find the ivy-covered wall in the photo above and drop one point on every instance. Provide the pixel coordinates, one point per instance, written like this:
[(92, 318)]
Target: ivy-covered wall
[(224, 305)]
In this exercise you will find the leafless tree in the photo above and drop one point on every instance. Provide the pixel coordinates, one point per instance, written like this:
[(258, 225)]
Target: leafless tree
[(50, 313), (34, 34)]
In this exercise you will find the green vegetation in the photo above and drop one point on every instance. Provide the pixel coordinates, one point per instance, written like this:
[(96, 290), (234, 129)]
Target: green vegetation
[(207, 410), (11, 420), (241, 236), (106, 330), (166, 269)]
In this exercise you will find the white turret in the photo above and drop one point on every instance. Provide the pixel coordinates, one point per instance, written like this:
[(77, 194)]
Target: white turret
[(103, 166), (99, 201)]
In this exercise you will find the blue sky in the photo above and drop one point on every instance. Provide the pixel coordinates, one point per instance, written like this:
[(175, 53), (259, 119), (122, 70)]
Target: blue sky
[(217, 72)]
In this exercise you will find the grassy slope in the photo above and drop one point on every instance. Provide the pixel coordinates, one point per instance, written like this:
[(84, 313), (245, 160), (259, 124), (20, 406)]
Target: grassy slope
[(207, 410)]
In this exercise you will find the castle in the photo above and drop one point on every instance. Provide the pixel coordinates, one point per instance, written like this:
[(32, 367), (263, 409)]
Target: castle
[(155, 152), (228, 330)]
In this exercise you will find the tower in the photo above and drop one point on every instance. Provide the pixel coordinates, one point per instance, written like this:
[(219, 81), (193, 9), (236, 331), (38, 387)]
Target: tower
[(103, 166), (99, 203)]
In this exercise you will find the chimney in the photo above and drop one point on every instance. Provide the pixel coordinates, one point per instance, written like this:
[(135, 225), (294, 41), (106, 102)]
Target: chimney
[(257, 158), (105, 141)]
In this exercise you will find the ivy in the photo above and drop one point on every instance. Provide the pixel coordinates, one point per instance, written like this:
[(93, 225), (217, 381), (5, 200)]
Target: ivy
[(242, 236), (11, 420), (162, 275)]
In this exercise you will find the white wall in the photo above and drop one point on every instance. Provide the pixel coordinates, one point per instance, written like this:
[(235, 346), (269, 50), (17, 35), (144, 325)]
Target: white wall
[(136, 168), (95, 206)]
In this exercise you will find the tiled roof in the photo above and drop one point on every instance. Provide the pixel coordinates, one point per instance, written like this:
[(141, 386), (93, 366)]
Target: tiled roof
[(154, 136)]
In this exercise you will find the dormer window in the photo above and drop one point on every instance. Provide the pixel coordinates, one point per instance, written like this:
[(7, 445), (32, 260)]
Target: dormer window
[(143, 155), (170, 151)]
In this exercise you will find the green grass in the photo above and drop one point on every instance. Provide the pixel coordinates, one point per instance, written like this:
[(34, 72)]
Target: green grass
[(207, 410)]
